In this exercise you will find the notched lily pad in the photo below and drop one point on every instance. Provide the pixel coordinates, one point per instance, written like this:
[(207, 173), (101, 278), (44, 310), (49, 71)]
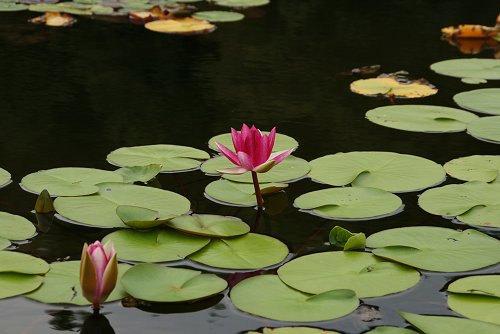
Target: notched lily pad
[(480, 100), (436, 248), (388, 171), (140, 218), (156, 283), (282, 142), (139, 173), (421, 118), (484, 168), (356, 203), (477, 68), (13, 284), (267, 296), (68, 181), (485, 128), (361, 272), (474, 203), (209, 225), (172, 158), (238, 194), (440, 324)]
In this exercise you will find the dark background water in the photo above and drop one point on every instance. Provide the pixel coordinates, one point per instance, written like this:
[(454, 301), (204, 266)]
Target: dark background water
[(70, 96)]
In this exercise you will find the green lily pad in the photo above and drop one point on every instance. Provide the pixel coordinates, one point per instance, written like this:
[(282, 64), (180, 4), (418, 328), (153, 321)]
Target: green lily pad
[(476, 297), (210, 225), (13, 284), (349, 203), (442, 325), (22, 263), (4, 243), (63, 7), (140, 218), (485, 128), (172, 158), (4, 177), (15, 227), (160, 245), (473, 81), (480, 100), (62, 285), (421, 118), (436, 248), (68, 181), (290, 169), (361, 272), (267, 296), (341, 237), (11, 7), (236, 193), (388, 171), (250, 251), (139, 173), (474, 203), (391, 330), (99, 210), (156, 283), (242, 3), (469, 68), (281, 143), (484, 168), (294, 330), (219, 16), (102, 10)]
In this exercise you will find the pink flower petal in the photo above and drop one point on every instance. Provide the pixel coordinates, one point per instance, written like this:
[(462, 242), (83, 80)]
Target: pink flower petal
[(272, 137), (245, 161), (228, 153), (236, 137), (279, 156)]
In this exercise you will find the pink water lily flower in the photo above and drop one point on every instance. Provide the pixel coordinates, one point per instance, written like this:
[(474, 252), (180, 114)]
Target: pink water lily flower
[(253, 151), (98, 272)]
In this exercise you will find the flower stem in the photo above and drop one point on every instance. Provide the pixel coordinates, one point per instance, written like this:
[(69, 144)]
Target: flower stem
[(96, 308), (258, 194)]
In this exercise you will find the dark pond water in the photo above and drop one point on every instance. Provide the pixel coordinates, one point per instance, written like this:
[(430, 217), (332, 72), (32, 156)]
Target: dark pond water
[(70, 96)]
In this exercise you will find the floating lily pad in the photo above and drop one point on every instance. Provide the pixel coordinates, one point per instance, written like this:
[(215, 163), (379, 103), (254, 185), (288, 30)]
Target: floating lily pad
[(481, 100), (290, 169), (99, 210), (181, 26), (155, 283), (388, 171), (172, 158), (484, 168), (436, 248), (443, 325), (282, 142), (469, 68), (4, 243), (294, 330), (13, 284), (476, 297), (241, 3), (475, 202), (391, 330), (349, 203), (389, 86), (68, 181), (210, 225), (15, 227), (160, 245), (219, 16), (140, 218), (62, 285), (139, 173), (421, 118), (4, 177), (341, 237), (11, 7), (63, 7), (22, 263), (485, 128), (361, 272), (474, 81), (267, 296), (239, 194), (250, 251)]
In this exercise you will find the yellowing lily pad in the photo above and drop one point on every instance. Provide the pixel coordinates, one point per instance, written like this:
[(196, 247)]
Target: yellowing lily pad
[(282, 142), (55, 19), (159, 245), (485, 128), (421, 118), (61, 285), (390, 86), (443, 325), (250, 251), (349, 203), (484, 168), (436, 248), (238, 194), (68, 181), (388, 171), (181, 26), (209, 225), (99, 210), (476, 68), (480, 100), (474, 203), (267, 296), (172, 158), (156, 283), (4, 177), (361, 272)]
